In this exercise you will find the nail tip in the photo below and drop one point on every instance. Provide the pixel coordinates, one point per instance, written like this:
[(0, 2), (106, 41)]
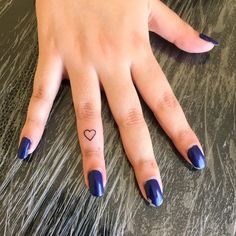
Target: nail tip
[(96, 194), (153, 192), (200, 166), (155, 204), (21, 157), (209, 39)]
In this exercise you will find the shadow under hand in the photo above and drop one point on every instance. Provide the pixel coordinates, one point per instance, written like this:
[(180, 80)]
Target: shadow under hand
[(161, 45)]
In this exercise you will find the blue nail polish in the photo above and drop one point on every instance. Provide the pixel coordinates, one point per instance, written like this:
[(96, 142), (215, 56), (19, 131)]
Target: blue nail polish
[(208, 39), (95, 183), (196, 157), (153, 192), (23, 148)]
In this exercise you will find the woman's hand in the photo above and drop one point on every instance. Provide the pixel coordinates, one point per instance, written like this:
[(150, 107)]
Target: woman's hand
[(106, 43)]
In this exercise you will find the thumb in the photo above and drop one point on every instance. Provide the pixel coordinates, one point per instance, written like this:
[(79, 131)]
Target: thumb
[(166, 23)]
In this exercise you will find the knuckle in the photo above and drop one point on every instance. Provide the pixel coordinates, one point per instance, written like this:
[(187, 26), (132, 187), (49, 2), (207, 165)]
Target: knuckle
[(91, 152), (39, 123), (167, 100), (184, 134), (145, 164), (87, 110), (107, 45), (139, 42), (39, 93), (131, 118)]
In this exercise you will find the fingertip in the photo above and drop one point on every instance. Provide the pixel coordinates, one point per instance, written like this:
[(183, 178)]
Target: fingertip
[(195, 42), (24, 148), (94, 175), (196, 157), (95, 183), (149, 180), (30, 137), (203, 47)]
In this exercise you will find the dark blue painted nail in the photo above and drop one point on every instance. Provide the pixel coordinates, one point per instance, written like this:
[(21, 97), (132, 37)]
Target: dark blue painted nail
[(23, 148), (153, 192), (95, 183), (208, 39), (197, 158)]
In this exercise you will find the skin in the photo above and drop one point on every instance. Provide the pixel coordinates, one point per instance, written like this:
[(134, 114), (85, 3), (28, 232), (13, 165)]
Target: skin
[(106, 44)]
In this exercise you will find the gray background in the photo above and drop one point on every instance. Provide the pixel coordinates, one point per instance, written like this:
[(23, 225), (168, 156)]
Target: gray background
[(47, 196)]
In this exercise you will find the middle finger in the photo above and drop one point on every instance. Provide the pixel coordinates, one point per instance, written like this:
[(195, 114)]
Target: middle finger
[(87, 103)]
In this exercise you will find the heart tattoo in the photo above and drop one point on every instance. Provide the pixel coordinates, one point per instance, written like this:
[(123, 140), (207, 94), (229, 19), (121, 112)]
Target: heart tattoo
[(89, 134)]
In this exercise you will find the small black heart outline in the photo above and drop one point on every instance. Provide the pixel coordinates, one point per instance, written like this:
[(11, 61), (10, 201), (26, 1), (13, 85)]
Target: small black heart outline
[(89, 131)]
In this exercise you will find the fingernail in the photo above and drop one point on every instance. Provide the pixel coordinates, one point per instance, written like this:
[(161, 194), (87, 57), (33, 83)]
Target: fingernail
[(208, 39), (153, 192), (23, 148), (197, 158), (95, 183)]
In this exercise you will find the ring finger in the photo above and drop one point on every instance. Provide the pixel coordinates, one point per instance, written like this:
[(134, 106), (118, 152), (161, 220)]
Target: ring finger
[(127, 111)]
